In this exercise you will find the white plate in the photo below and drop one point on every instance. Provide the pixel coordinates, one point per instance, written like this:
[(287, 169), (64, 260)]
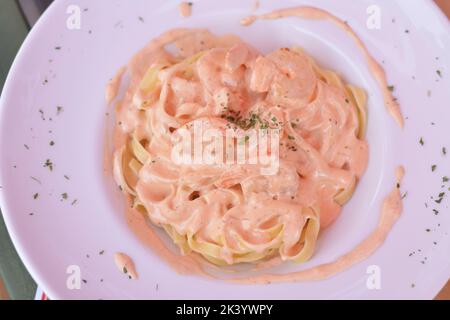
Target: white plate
[(61, 67)]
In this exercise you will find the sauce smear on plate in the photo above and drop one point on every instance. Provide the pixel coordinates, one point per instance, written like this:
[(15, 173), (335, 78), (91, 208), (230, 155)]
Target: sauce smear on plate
[(185, 9), (320, 14)]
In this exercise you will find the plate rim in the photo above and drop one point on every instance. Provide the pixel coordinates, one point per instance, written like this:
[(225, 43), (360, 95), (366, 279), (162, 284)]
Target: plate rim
[(6, 212)]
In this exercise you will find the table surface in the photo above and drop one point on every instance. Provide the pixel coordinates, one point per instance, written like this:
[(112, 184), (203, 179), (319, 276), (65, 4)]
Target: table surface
[(27, 288)]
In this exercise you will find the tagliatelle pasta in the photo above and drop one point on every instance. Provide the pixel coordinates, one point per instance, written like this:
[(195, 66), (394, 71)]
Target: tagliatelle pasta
[(226, 210)]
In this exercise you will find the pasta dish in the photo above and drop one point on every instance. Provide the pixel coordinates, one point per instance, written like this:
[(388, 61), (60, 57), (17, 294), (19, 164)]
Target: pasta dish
[(231, 211)]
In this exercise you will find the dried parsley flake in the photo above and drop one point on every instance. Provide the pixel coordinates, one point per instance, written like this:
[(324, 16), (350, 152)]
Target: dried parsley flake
[(48, 164)]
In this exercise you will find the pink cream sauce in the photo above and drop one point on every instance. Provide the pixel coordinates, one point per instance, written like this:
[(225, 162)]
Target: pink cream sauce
[(185, 9), (390, 212), (319, 14), (391, 207), (125, 265), (113, 86)]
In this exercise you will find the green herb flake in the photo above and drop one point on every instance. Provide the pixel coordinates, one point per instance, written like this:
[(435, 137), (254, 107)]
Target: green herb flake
[(36, 179), (433, 168), (444, 151), (391, 88), (440, 196), (48, 164), (125, 270), (421, 141), (64, 196), (445, 179), (26, 147), (291, 138), (35, 196), (59, 109), (439, 73), (231, 118)]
